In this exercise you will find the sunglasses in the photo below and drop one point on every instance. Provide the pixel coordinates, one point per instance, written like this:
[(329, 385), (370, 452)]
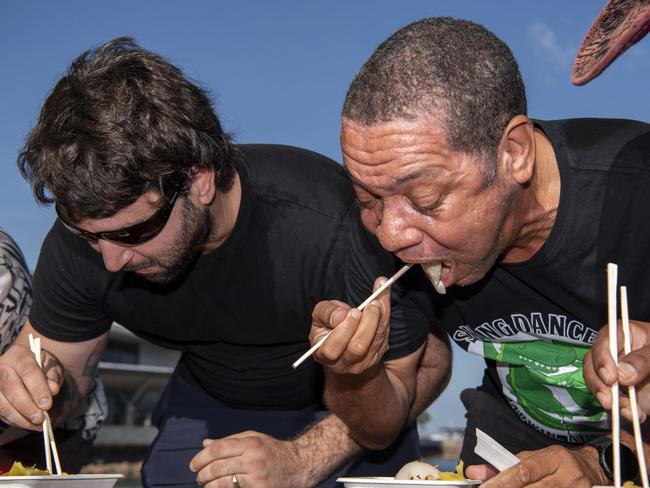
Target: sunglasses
[(133, 234)]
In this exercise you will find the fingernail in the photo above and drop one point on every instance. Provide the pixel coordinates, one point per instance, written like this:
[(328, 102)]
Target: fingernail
[(626, 370), (626, 413), (381, 281), (376, 304), (602, 398), (42, 402), (192, 468), (355, 313), (35, 418), (604, 374)]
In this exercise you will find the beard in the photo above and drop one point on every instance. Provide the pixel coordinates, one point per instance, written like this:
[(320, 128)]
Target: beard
[(184, 250)]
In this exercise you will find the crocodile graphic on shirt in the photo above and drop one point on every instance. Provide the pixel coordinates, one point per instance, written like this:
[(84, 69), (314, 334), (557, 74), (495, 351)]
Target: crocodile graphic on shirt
[(543, 381)]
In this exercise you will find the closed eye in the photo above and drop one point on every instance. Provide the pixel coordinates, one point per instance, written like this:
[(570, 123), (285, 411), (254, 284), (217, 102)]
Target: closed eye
[(429, 208), (364, 197), (367, 203)]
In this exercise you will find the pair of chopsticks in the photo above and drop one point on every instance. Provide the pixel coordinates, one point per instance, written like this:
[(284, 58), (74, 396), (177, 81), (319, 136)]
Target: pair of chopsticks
[(612, 277), (378, 292), (48, 434)]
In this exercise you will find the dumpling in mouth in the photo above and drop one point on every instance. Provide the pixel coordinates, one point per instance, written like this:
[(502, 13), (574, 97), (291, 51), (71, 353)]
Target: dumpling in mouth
[(433, 270)]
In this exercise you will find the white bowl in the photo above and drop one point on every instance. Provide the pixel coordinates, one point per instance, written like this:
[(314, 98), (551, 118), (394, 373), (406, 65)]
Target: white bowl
[(383, 482), (61, 481)]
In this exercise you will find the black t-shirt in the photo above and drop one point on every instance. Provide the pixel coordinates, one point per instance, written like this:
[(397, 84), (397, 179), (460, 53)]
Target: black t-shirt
[(242, 315), (534, 321)]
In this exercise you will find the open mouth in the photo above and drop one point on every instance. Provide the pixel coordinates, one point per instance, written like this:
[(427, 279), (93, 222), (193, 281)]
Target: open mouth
[(435, 270)]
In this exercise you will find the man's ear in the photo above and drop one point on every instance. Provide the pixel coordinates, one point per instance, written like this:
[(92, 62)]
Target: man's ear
[(517, 149), (203, 185)]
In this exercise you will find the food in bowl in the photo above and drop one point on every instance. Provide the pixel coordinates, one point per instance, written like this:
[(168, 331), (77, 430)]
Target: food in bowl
[(419, 470), (17, 469)]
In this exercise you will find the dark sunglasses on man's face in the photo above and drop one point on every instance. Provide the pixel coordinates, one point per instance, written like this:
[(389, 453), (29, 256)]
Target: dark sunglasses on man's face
[(133, 234)]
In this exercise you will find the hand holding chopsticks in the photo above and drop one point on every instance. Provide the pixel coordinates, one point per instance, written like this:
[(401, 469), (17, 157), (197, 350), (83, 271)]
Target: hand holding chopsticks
[(632, 391), (372, 297), (48, 433), (612, 272)]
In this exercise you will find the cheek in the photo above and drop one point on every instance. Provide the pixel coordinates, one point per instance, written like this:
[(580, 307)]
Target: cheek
[(370, 220), (455, 234)]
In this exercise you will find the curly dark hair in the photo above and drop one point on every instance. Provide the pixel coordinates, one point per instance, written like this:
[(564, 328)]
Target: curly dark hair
[(119, 122), (443, 67)]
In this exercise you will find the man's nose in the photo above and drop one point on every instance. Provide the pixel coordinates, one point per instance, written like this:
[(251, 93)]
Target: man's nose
[(395, 230), (115, 256)]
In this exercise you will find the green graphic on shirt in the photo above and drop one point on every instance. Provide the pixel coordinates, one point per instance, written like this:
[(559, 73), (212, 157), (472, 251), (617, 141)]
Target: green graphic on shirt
[(545, 379)]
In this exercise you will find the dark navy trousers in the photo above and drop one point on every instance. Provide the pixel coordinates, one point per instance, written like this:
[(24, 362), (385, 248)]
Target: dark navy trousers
[(186, 414)]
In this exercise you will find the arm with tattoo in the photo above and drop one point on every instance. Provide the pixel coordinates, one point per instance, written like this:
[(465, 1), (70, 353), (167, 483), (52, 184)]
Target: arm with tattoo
[(75, 387), (26, 390)]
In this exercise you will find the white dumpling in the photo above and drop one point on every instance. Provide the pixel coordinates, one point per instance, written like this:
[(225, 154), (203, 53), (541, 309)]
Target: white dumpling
[(418, 470)]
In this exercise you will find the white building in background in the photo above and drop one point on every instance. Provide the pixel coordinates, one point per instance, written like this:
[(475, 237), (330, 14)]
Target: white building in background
[(134, 373)]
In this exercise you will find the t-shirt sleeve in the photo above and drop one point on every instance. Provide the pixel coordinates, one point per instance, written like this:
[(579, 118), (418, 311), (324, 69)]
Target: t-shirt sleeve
[(15, 290), (357, 260), (67, 290)]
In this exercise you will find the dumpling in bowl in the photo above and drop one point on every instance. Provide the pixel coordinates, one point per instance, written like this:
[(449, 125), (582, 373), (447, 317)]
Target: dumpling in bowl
[(418, 470)]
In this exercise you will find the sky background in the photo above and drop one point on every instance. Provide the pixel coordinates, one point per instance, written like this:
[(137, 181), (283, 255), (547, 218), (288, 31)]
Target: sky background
[(278, 71)]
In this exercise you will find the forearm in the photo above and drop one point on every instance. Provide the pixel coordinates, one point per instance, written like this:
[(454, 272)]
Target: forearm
[(433, 373), (68, 399), (374, 406), (79, 362), (323, 449)]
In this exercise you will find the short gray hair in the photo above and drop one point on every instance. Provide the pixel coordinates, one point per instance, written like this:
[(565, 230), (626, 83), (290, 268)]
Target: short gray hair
[(446, 68)]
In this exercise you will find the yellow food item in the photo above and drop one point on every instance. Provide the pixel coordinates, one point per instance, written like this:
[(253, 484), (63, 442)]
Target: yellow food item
[(630, 484), (17, 469), (457, 476)]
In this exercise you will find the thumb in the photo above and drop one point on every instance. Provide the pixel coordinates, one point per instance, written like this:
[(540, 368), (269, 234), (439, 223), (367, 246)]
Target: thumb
[(481, 472), (329, 313)]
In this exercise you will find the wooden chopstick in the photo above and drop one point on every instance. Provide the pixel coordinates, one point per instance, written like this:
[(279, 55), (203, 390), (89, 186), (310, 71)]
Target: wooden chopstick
[(378, 292), (627, 335), (612, 276), (48, 433)]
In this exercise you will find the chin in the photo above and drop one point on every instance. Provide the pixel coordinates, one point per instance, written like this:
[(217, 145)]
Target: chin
[(156, 277), (471, 279)]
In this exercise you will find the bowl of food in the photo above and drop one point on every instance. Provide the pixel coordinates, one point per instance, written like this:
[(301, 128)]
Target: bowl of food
[(414, 474), (20, 476)]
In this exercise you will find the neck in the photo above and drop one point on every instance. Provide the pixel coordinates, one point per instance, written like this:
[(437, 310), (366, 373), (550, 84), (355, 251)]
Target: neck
[(224, 210), (539, 203)]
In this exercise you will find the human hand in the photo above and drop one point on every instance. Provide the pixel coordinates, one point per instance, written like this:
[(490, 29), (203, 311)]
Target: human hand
[(258, 460), (26, 390), (552, 467), (600, 371), (359, 339)]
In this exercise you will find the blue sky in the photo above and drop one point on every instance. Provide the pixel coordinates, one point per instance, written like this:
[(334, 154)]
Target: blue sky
[(278, 71)]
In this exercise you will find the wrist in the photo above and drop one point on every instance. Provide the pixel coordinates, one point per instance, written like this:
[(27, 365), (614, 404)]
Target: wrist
[(321, 450), (302, 473), (353, 381), (590, 455), (603, 446)]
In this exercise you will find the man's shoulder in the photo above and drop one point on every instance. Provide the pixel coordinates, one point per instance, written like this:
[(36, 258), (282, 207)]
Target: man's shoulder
[(598, 129), (597, 143), (297, 175)]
